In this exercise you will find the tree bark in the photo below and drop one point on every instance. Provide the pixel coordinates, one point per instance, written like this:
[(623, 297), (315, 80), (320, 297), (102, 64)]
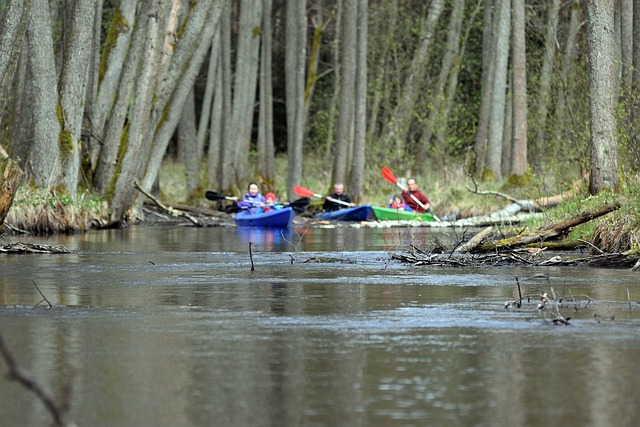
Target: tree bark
[(519, 91), (295, 53), (15, 20), (44, 165), (604, 153), (265, 148), (498, 94), (187, 140), (245, 83), (544, 90), (73, 83), (344, 134), (356, 181), (488, 65)]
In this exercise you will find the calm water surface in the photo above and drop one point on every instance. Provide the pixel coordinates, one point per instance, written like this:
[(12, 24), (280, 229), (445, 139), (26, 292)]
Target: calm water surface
[(168, 326)]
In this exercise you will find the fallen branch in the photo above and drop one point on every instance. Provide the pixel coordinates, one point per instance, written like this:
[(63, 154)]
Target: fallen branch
[(171, 211), (474, 241)]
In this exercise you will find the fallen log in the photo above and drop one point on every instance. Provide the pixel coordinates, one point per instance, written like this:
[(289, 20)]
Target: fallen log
[(474, 241), (548, 232)]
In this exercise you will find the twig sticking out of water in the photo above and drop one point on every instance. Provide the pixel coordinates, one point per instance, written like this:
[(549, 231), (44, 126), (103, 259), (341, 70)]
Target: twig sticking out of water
[(251, 257), (295, 246), (43, 297), (19, 374)]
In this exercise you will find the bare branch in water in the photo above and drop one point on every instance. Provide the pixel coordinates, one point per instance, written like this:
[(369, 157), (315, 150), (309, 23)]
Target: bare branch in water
[(19, 374), (43, 297)]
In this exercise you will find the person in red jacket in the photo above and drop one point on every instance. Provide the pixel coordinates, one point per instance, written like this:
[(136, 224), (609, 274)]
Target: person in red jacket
[(412, 190)]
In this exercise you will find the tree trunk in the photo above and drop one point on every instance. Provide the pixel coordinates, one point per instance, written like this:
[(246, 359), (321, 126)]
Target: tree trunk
[(568, 59), (626, 44), (344, 134), (265, 148), (543, 99), (136, 146), (295, 53), (398, 127), (216, 146), (356, 182), (73, 83), (434, 121), (636, 43), (11, 176), (44, 162), (245, 82), (519, 91), (207, 99), (604, 153), (112, 65), (187, 140), (498, 94), (162, 132), (488, 65), (227, 160), (15, 20)]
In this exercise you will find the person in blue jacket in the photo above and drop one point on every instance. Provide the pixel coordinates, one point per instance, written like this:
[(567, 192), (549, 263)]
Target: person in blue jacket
[(253, 201)]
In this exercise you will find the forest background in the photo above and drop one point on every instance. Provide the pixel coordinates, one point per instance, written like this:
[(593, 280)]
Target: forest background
[(98, 95)]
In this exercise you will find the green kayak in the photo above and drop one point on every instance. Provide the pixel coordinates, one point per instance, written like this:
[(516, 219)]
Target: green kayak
[(388, 214)]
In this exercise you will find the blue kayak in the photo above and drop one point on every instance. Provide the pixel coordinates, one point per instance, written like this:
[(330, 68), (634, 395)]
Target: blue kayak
[(281, 218), (357, 213)]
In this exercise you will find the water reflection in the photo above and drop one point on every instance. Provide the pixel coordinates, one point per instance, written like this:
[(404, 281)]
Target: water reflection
[(170, 327)]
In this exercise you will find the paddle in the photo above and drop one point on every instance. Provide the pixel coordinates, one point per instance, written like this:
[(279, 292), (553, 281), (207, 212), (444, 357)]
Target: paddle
[(389, 176), (304, 192), (297, 205)]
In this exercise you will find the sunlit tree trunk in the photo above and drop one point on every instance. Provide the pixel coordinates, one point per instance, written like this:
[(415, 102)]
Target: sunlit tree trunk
[(357, 179), (518, 164), (295, 53), (604, 153)]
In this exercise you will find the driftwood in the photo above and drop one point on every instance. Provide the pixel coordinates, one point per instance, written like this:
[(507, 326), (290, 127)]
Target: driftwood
[(33, 248), (171, 211), (474, 241), (10, 182), (549, 232)]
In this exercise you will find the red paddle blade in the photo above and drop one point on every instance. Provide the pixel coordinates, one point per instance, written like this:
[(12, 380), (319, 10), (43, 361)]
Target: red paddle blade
[(302, 192), (388, 175)]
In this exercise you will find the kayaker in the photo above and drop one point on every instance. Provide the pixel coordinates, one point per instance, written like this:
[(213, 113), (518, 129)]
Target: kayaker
[(330, 205), (412, 189), (271, 203), (252, 200)]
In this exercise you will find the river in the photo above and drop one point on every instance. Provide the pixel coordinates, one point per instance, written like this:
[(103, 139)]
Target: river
[(169, 326)]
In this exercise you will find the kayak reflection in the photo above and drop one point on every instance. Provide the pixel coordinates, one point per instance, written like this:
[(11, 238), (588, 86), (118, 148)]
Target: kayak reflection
[(266, 238)]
